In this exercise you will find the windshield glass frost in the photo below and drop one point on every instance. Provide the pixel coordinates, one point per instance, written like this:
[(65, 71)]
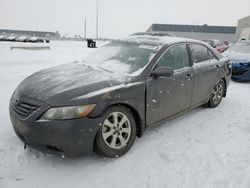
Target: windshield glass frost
[(122, 57)]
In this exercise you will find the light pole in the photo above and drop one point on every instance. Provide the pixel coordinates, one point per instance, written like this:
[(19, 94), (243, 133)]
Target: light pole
[(97, 4), (85, 28)]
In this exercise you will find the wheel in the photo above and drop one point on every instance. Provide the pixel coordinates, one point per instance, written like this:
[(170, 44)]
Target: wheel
[(217, 94), (117, 133)]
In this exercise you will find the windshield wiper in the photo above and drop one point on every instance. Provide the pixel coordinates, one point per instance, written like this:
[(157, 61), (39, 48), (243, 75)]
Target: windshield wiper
[(105, 69)]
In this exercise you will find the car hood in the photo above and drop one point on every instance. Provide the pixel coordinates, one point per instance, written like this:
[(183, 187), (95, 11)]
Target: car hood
[(237, 57), (67, 81)]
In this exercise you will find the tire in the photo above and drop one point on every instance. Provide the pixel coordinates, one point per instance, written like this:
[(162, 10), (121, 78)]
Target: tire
[(117, 132), (217, 94)]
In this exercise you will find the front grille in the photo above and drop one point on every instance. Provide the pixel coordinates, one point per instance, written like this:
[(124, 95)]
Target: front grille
[(24, 109), (237, 72)]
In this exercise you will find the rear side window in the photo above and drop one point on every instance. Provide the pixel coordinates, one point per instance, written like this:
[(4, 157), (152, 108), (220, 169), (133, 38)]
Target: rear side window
[(201, 53), (175, 57)]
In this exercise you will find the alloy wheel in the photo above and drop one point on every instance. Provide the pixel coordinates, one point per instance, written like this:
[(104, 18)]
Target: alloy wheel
[(116, 130), (217, 93)]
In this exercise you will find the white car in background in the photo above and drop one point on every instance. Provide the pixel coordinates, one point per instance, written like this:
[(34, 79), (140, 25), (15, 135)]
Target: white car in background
[(11, 38), (22, 39), (35, 39), (2, 37)]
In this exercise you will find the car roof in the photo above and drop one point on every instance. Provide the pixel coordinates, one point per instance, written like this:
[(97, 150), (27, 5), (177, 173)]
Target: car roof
[(153, 34), (159, 39)]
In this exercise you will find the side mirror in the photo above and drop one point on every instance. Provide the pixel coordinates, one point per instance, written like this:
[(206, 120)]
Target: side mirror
[(163, 71)]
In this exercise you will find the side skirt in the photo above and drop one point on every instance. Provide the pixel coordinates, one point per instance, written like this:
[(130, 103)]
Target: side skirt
[(177, 114)]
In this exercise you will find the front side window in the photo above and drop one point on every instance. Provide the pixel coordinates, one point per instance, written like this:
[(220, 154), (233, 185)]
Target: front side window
[(176, 57), (201, 53)]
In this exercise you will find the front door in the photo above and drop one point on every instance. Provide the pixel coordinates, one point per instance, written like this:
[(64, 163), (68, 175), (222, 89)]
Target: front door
[(167, 96)]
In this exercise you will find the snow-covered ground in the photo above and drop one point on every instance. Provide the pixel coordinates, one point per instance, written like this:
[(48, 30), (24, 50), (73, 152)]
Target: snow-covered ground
[(205, 148)]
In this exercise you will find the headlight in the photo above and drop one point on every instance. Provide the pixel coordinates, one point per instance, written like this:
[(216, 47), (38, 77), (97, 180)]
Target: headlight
[(70, 112), (245, 63)]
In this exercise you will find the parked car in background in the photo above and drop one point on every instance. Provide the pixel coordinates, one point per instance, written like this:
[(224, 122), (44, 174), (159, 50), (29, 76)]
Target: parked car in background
[(214, 43), (22, 39), (223, 47), (125, 86), (220, 46), (11, 38), (35, 39), (217, 43), (154, 34), (2, 37), (239, 55)]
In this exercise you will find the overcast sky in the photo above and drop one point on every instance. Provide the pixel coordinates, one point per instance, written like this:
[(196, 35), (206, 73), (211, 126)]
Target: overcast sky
[(117, 18)]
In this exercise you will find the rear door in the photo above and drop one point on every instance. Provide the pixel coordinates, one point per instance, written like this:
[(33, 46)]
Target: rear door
[(169, 95), (206, 72)]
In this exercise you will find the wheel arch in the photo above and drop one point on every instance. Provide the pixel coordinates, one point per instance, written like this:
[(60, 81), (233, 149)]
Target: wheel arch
[(139, 123)]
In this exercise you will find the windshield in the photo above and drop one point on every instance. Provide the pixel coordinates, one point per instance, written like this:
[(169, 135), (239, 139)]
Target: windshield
[(122, 57), (240, 48)]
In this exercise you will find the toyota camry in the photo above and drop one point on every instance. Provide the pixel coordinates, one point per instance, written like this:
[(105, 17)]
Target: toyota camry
[(107, 100)]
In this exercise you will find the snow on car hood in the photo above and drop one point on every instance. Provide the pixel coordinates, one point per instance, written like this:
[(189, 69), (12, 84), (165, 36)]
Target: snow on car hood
[(237, 57), (70, 80)]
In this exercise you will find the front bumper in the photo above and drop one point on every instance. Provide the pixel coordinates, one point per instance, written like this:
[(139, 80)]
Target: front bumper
[(240, 72), (72, 138)]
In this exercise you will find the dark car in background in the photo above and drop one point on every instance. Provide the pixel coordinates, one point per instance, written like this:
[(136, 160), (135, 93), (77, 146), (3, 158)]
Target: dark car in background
[(107, 100), (239, 55)]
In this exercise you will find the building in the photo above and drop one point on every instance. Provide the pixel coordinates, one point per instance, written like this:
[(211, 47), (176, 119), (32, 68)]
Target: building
[(43, 34), (243, 29), (200, 32)]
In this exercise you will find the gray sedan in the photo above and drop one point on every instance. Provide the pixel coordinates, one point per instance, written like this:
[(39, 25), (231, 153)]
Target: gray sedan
[(107, 100)]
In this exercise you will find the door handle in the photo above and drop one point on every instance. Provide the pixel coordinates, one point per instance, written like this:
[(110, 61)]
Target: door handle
[(188, 76)]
